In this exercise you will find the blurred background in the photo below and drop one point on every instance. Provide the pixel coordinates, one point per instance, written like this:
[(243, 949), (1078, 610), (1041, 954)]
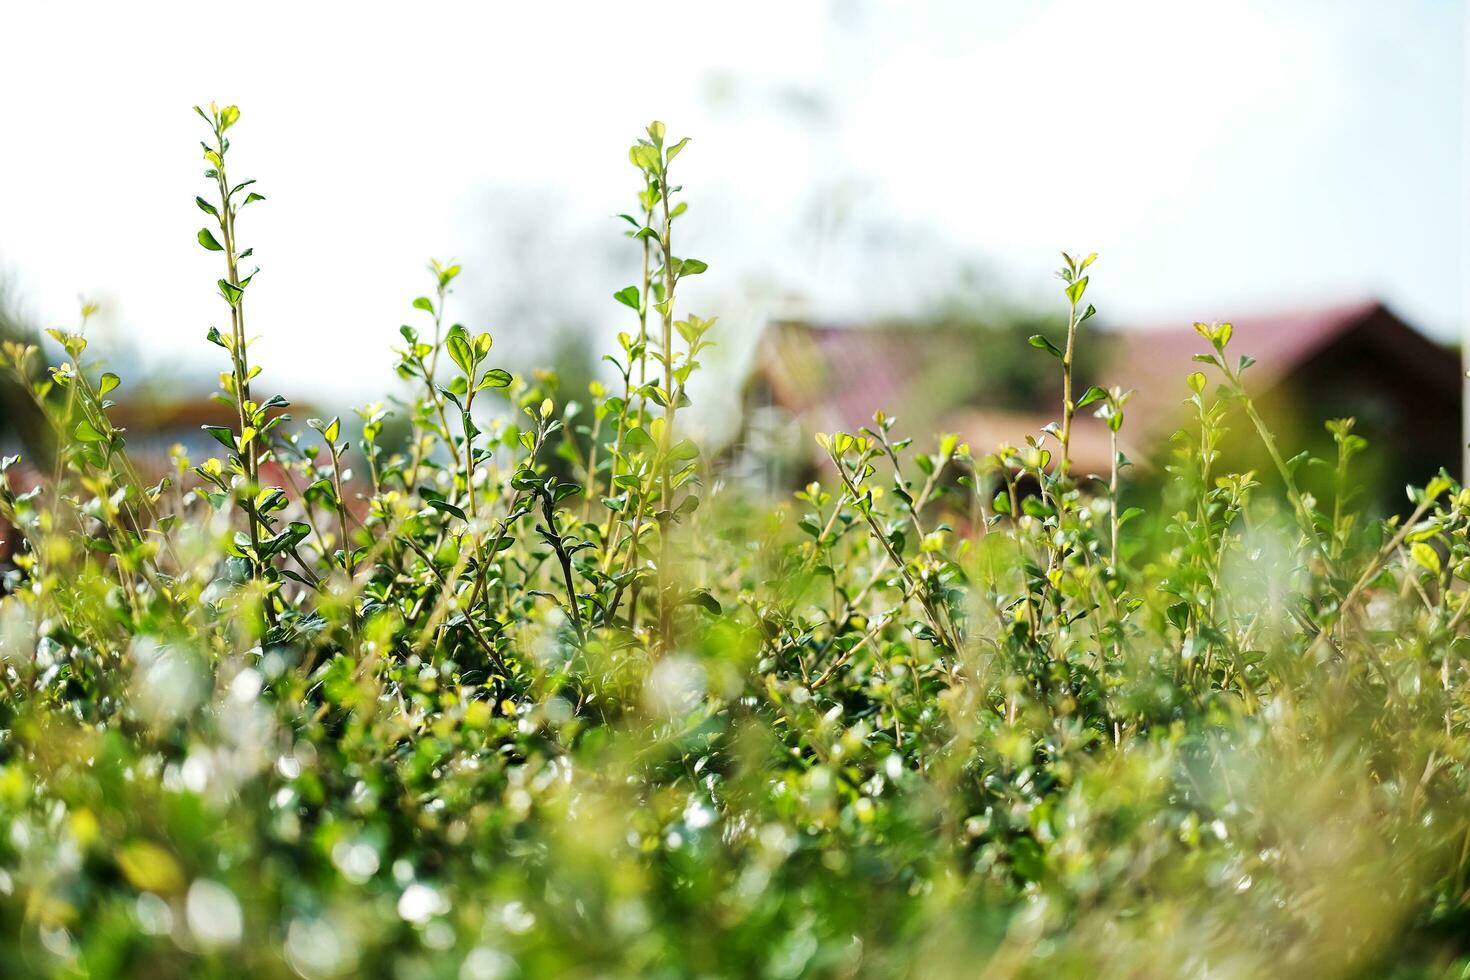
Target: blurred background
[(880, 189)]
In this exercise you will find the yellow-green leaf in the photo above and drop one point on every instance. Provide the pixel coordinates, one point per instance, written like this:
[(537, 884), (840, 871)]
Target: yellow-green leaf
[(149, 868), (1426, 556), (87, 432)]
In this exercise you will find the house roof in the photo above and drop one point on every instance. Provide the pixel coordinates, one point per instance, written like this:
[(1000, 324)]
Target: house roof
[(1154, 361), (836, 377)]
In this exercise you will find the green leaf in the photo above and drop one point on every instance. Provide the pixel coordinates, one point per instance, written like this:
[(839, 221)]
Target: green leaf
[(690, 267), (1091, 395), (424, 303), (683, 450), (231, 292), (628, 296), (461, 353), (222, 435), (206, 207), (293, 534), (1425, 555), (1076, 289), (638, 439), (108, 382), (1041, 343), (329, 430), (703, 599), (645, 157), (446, 507), (207, 240), (495, 378), (270, 499), (87, 432)]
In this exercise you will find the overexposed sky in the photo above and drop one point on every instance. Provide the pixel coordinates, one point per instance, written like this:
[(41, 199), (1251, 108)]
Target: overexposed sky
[(847, 159)]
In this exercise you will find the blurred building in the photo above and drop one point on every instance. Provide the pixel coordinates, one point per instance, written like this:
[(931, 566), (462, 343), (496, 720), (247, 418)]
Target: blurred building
[(1358, 360), (152, 423)]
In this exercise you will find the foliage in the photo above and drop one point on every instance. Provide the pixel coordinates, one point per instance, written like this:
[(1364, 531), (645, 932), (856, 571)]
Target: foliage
[(948, 711)]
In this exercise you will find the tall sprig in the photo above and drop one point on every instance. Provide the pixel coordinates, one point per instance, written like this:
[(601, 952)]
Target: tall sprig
[(248, 444), (677, 460)]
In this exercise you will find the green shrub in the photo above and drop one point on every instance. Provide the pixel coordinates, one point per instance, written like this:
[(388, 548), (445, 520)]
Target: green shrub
[(948, 712)]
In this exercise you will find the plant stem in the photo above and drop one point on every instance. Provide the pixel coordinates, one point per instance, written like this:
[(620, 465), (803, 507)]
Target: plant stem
[(240, 357), (345, 543), (1113, 495), (1304, 515), (666, 491), (1069, 408), (935, 621)]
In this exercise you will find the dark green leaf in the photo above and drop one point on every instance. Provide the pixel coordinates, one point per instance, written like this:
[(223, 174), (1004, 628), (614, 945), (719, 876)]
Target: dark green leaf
[(1041, 343)]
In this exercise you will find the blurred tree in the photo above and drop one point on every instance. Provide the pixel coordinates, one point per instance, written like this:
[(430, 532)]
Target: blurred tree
[(573, 369), (20, 422)]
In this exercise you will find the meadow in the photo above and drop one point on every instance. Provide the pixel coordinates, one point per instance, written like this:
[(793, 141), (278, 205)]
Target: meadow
[(534, 692)]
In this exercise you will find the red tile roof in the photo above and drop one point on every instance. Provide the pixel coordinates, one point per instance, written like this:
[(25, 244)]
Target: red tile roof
[(1154, 361), (837, 377)]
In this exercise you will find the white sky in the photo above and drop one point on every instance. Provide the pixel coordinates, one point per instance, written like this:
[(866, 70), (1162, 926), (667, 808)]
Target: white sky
[(847, 158)]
